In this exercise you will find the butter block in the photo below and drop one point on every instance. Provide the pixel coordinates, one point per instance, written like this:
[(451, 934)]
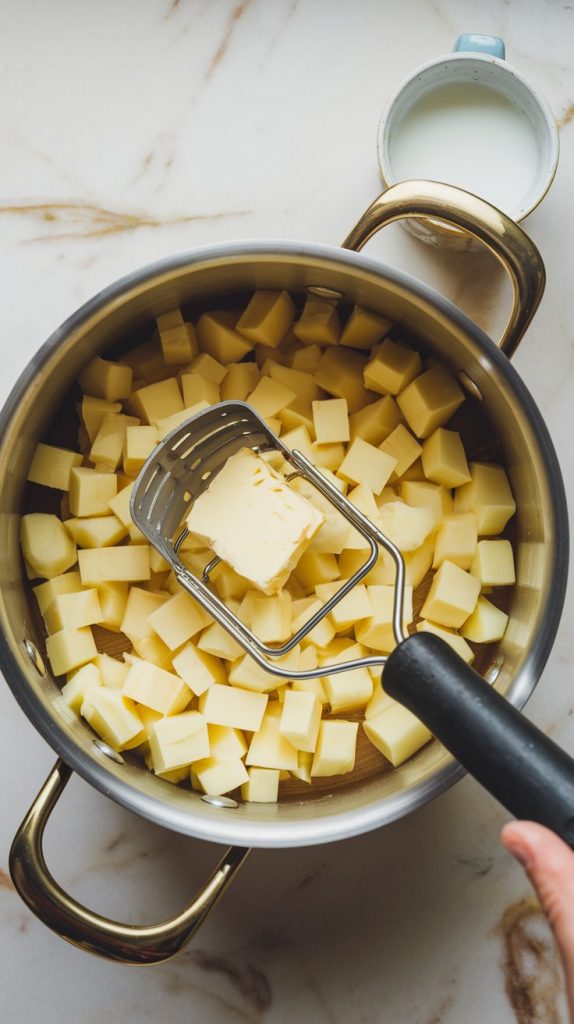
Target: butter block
[(392, 367), (262, 786), (335, 750), (70, 648), (228, 705), (113, 717), (331, 420), (198, 669), (375, 421), (72, 611), (364, 463), (178, 620), (452, 596), (454, 640), (91, 491), (318, 324), (269, 748), (219, 777), (51, 466), (46, 546), (456, 540), (239, 381), (489, 496), (157, 689), (254, 521), (114, 565), (267, 318), (106, 379), (225, 742), (396, 733), (79, 685), (364, 329), (66, 583), (486, 624), (218, 337), (138, 445), (348, 691), (177, 740), (444, 458), (156, 401), (493, 563), (300, 719), (430, 400)]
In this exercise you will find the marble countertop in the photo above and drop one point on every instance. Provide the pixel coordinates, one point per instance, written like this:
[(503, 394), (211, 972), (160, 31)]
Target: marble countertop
[(135, 130)]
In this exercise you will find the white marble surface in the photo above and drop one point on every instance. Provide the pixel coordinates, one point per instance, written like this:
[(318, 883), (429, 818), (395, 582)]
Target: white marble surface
[(133, 130)]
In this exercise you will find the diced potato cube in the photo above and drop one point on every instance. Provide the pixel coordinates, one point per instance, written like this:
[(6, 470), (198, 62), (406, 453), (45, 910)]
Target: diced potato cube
[(156, 401), (271, 617), (199, 389), (302, 384), (178, 620), (456, 540), (315, 567), (331, 420), (262, 786), (269, 397), (303, 769), (114, 565), (79, 685), (353, 607), (227, 705), (401, 445), (348, 691), (138, 446), (489, 496), (109, 442), (246, 673), (218, 337), (209, 367), (153, 686), (152, 649), (218, 777), (375, 421), (72, 611), (307, 358), (105, 379), (169, 423), (430, 400), (380, 699), (319, 323), (300, 719), (377, 632), (120, 505), (458, 643), (91, 491), (364, 463), (177, 740), (113, 717), (225, 742), (364, 329), (139, 606), (340, 372), (444, 458), (46, 545), (335, 750), (69, 649), (267, 318), (96, 531), (217, 641), (405, 526), (322, 633), (452, 596), (421, 494), (392, 367), (486, 624), (254, 521), (93, 411), (269, 748), (52, 466), (177, 339), (112, 671), (239, 382), (493, 563), (67, 583), (199, 669), (396, 733)]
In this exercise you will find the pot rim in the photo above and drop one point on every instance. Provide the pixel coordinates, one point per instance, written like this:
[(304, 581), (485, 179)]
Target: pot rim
[(323, 828)]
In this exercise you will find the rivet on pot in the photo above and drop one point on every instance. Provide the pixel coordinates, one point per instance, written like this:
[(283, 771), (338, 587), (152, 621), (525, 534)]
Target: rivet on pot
[(109, 752), (35, 657), (469, 385), (219, 801), (320, 292)]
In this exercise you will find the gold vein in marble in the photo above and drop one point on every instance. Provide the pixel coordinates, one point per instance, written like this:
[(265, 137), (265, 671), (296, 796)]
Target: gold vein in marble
[(84, 220), (235, 16)]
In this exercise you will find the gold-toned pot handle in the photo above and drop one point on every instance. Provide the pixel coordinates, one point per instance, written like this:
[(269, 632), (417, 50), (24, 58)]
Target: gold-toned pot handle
[(128, 944), (505, 239)]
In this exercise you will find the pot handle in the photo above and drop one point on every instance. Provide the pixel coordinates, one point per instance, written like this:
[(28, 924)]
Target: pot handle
[(127, 944), (503, 236), (520, 766)]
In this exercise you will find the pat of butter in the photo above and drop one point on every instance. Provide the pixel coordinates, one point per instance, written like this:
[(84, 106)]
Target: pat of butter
[(254, 521)]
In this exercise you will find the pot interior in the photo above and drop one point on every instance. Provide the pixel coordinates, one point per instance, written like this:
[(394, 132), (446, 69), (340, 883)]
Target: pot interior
[(502, 426)]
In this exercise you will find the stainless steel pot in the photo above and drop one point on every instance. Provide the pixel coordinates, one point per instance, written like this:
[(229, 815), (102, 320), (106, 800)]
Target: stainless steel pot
[(541, 542)]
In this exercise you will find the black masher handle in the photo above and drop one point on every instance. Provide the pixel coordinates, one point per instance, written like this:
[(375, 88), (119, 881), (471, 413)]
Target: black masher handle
[(525, 770)]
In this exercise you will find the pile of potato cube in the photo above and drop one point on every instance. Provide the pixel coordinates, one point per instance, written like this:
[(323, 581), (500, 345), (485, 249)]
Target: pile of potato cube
[(373, 417)]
